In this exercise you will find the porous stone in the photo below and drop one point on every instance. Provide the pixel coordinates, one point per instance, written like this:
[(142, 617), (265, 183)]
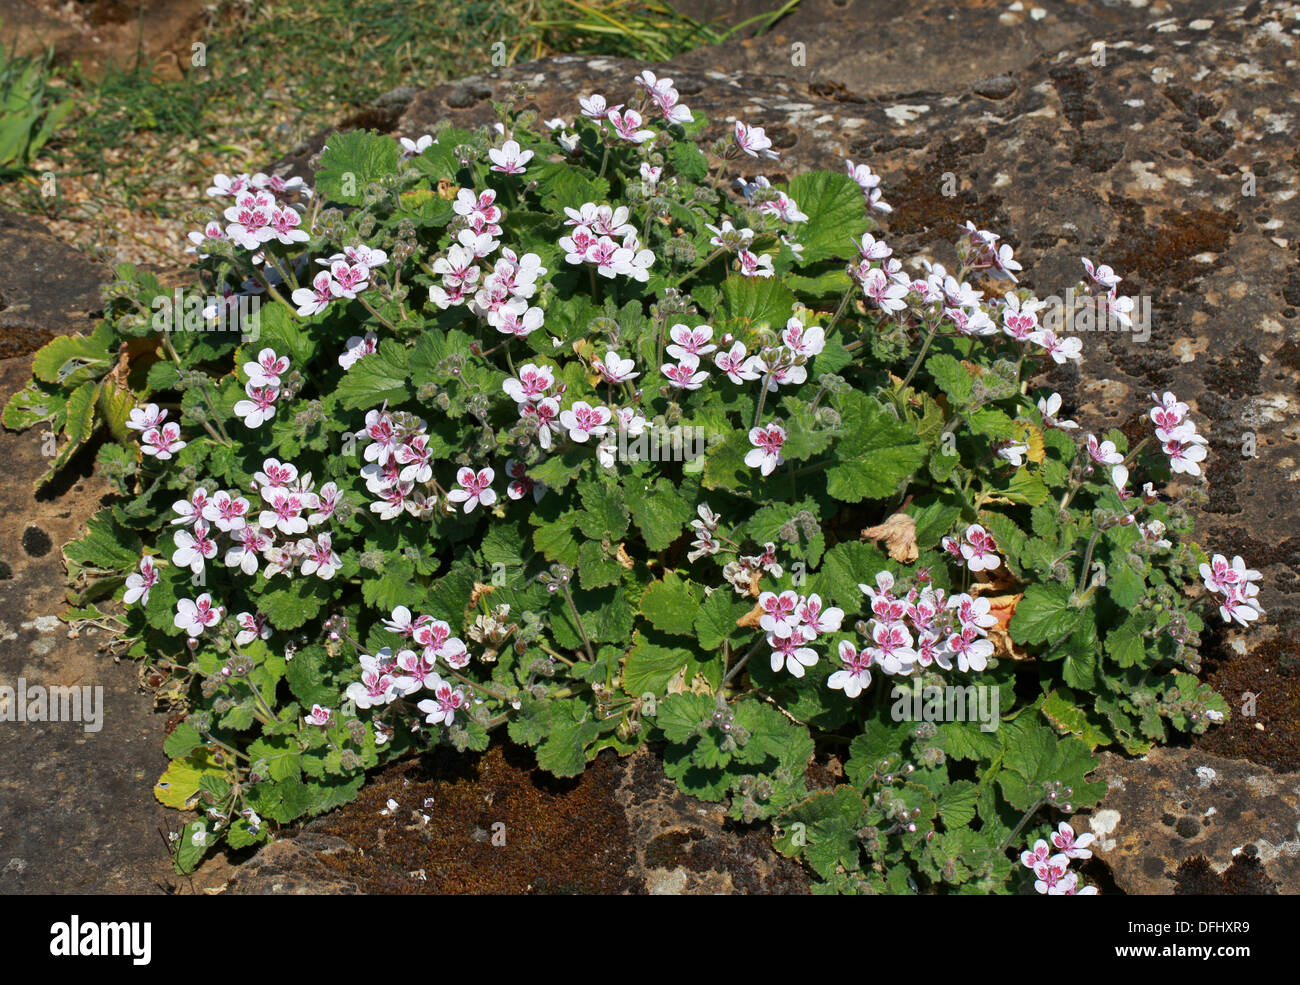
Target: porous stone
[(293, 867), (1164, 811)]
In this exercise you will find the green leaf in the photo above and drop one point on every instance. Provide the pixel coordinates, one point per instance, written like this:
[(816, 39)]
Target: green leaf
[(756, 301), (184, 739), (724, 466), (688, 161), (561, 185), (281, 331), (933, 522), (878, 749), (392, 586), (532, 723), (1125, 585), (716, 619), (597, 566), (240, 834), (70, 360), (1024, 487), (957, 803), (279, 754), (1126, 644), (351, 161), (115, 405), (836, 214), (180, 781), (605, 514), (294, 606), (679, 714), (105, 547), (564, 751), (992, 422), (79, 424), (559, 470), (877, 453), (555, 541), (606, 616), (1081, 654), (830, 820), (281, 800), (672, 604), (1045, 521), (1045, 614), (659, 511), (306, 675), (650, 667), (1010, 539), (1059, 707), (31, 405), (846, 566), (962, 740), (380, 377), (189, 853), (1035, 756), (951, 377)]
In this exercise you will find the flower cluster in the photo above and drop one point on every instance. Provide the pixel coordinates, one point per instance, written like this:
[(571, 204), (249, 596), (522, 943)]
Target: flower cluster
[(602, 238), (262, 388), (1179, 440), (258, 216), (398, 460), (290, 506), (975, 548), (1052, 874), (869, 182), (157, 439), (385, 677), (347, 274), (1237, 584), (922, 628), (792, 621)]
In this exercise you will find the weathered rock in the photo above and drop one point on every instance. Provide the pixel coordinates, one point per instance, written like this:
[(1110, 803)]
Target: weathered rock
[(686, 846), (496, 823), (882, 47), (1174, 805), (293, 867), (100, 34), (77, 812), (46, 287)]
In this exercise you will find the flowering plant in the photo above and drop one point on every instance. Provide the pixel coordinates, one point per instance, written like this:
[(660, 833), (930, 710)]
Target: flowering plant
[(538, 428)]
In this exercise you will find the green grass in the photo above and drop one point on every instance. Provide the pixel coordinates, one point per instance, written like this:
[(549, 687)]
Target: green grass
[(277, 71), (30, 112)]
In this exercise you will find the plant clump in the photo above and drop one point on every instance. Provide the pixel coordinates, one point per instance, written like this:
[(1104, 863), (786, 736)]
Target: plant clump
[(540, 429)]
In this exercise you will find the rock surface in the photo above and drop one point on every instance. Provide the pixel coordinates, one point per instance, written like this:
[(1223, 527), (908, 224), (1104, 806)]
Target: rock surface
[(77, 812), (294, 867), (495, 823), (1156, 138), (1174, 805), (107, 32), (46, 287)]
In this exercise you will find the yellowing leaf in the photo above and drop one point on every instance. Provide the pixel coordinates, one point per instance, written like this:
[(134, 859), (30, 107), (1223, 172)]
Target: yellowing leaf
[(115, 403), (1028, 434), (180, 781)]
